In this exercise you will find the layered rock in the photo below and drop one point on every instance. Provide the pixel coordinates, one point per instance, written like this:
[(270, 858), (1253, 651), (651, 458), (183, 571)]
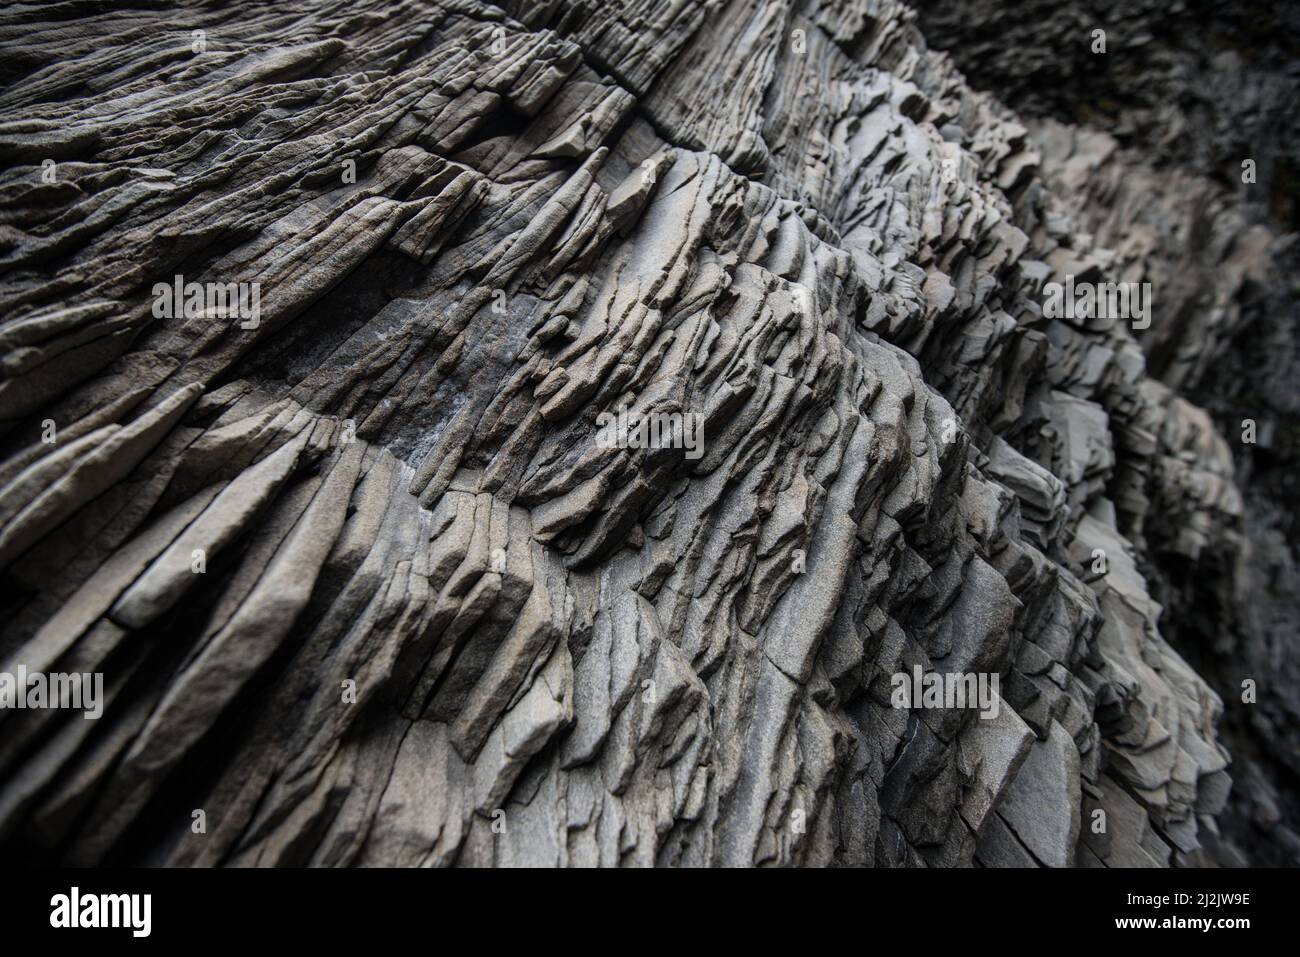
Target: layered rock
[(365, 583), (1181, 167)]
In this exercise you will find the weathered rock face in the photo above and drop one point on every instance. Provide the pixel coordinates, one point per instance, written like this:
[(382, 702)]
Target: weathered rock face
[(365, 578), (1187, 172)]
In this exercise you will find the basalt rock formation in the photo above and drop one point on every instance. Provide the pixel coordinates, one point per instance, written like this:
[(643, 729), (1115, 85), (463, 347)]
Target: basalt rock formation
[(1183, 164), (337, 525)]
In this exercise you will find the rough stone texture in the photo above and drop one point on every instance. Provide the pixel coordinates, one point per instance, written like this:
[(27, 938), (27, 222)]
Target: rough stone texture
[(1185, 94), (795, 220)]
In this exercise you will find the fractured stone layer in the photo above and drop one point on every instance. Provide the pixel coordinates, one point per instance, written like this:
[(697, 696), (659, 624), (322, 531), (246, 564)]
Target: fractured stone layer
[(438, 622)]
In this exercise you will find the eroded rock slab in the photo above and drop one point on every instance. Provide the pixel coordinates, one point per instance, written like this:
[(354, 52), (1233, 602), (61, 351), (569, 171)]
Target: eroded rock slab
[(366, 581)]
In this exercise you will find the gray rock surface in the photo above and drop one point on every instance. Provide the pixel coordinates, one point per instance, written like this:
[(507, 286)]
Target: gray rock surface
[(365, 584), (1148, 144)]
